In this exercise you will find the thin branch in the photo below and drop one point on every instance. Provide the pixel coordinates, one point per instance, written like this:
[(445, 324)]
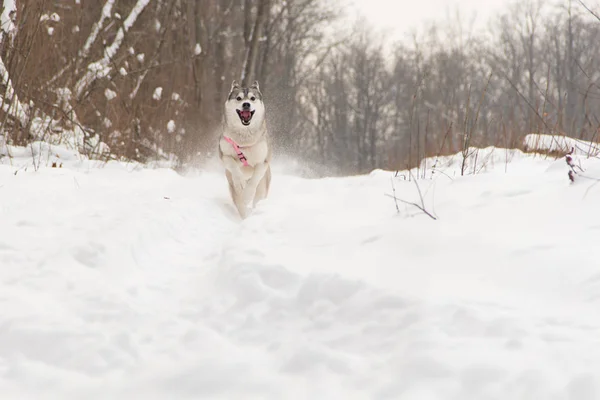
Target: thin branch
[(591, 186), (420, 207), (412, 204), (101, 67), (589, 10), (394, 196)]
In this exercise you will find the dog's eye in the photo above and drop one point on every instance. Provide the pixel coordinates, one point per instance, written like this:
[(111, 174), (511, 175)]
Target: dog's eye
[(239, 98), (252, 98)]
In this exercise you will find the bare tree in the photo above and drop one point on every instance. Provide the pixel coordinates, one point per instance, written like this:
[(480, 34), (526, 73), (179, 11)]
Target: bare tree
[(148, 78)]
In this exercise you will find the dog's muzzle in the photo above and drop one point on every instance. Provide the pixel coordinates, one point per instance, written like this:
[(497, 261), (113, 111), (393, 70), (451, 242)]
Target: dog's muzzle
[(245, 116)]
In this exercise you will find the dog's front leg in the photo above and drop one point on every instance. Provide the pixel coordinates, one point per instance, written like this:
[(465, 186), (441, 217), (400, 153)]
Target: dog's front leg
[(250, 190), (237, 177), (237, 184)]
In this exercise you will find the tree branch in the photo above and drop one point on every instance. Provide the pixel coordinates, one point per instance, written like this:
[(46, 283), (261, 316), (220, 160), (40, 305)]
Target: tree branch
[(589, 10), (420, 207)]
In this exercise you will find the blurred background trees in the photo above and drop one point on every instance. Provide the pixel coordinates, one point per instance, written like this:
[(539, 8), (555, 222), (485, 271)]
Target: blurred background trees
[(149, 77)]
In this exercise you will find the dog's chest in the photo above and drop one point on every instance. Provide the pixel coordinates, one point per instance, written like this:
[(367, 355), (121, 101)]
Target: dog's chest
[(255, 154)]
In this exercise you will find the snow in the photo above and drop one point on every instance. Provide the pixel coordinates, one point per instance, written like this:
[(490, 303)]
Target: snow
[(7, 18), (122, 281), (54, 17), (157, 95), (109, 53), (10, 102), (123, 71), (97, 27), (560, 144), (134, 14), (140, 57), (197, 49), (95, 70), (171, 126), (109, 94)]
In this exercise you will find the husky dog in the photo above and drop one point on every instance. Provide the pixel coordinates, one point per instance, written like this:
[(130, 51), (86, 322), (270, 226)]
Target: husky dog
[(244, 147)]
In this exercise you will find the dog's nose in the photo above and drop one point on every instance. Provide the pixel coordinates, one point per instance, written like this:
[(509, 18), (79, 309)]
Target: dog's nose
[(246, 105)]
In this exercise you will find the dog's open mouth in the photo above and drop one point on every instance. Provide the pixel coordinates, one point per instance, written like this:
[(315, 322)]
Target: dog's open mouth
[(245, 116)]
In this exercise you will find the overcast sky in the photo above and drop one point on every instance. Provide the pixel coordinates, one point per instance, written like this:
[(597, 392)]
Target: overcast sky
[(402, 15)]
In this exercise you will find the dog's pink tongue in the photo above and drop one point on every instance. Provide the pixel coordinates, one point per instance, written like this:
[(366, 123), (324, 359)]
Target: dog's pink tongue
[(246, 114)]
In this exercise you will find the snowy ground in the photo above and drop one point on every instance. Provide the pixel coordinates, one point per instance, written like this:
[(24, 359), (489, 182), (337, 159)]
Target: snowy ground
[(118, 282)]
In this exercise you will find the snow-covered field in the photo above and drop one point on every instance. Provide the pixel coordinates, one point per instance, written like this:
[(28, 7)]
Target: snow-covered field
[(122, 282)]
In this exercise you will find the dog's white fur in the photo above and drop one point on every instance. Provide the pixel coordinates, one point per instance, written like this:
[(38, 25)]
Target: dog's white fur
[(247, 184)]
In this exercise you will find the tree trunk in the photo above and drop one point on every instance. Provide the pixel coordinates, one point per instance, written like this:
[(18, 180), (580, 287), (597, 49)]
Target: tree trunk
[(249, 73), (198, 63)]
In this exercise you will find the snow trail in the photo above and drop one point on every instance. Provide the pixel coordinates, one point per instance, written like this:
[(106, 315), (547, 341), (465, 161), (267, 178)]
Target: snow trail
[(120, 282)]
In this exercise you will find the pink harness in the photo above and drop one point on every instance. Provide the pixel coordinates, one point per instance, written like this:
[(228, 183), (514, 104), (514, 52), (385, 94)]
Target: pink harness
[(240, 155)]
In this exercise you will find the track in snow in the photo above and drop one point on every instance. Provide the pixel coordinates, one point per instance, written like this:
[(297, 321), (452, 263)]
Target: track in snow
[(145, 284)]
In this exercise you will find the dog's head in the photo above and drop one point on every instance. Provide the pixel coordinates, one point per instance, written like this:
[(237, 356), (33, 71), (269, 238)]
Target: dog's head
[(245, 104)]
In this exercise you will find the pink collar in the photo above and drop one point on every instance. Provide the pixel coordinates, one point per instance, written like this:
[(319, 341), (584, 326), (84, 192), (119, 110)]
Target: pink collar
[(240, 155)]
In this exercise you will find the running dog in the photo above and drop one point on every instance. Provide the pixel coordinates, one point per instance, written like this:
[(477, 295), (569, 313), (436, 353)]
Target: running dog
[(245, 148)]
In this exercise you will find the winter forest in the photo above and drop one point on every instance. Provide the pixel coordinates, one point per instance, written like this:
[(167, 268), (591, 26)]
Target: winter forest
[(424, 229), (146, 80)]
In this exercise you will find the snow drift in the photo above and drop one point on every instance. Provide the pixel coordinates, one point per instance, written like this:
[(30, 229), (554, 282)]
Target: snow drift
[(119, 281)]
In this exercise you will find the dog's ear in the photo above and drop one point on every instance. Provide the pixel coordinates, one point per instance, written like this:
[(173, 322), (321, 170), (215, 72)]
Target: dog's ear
[(255, 86), (234, 85)]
